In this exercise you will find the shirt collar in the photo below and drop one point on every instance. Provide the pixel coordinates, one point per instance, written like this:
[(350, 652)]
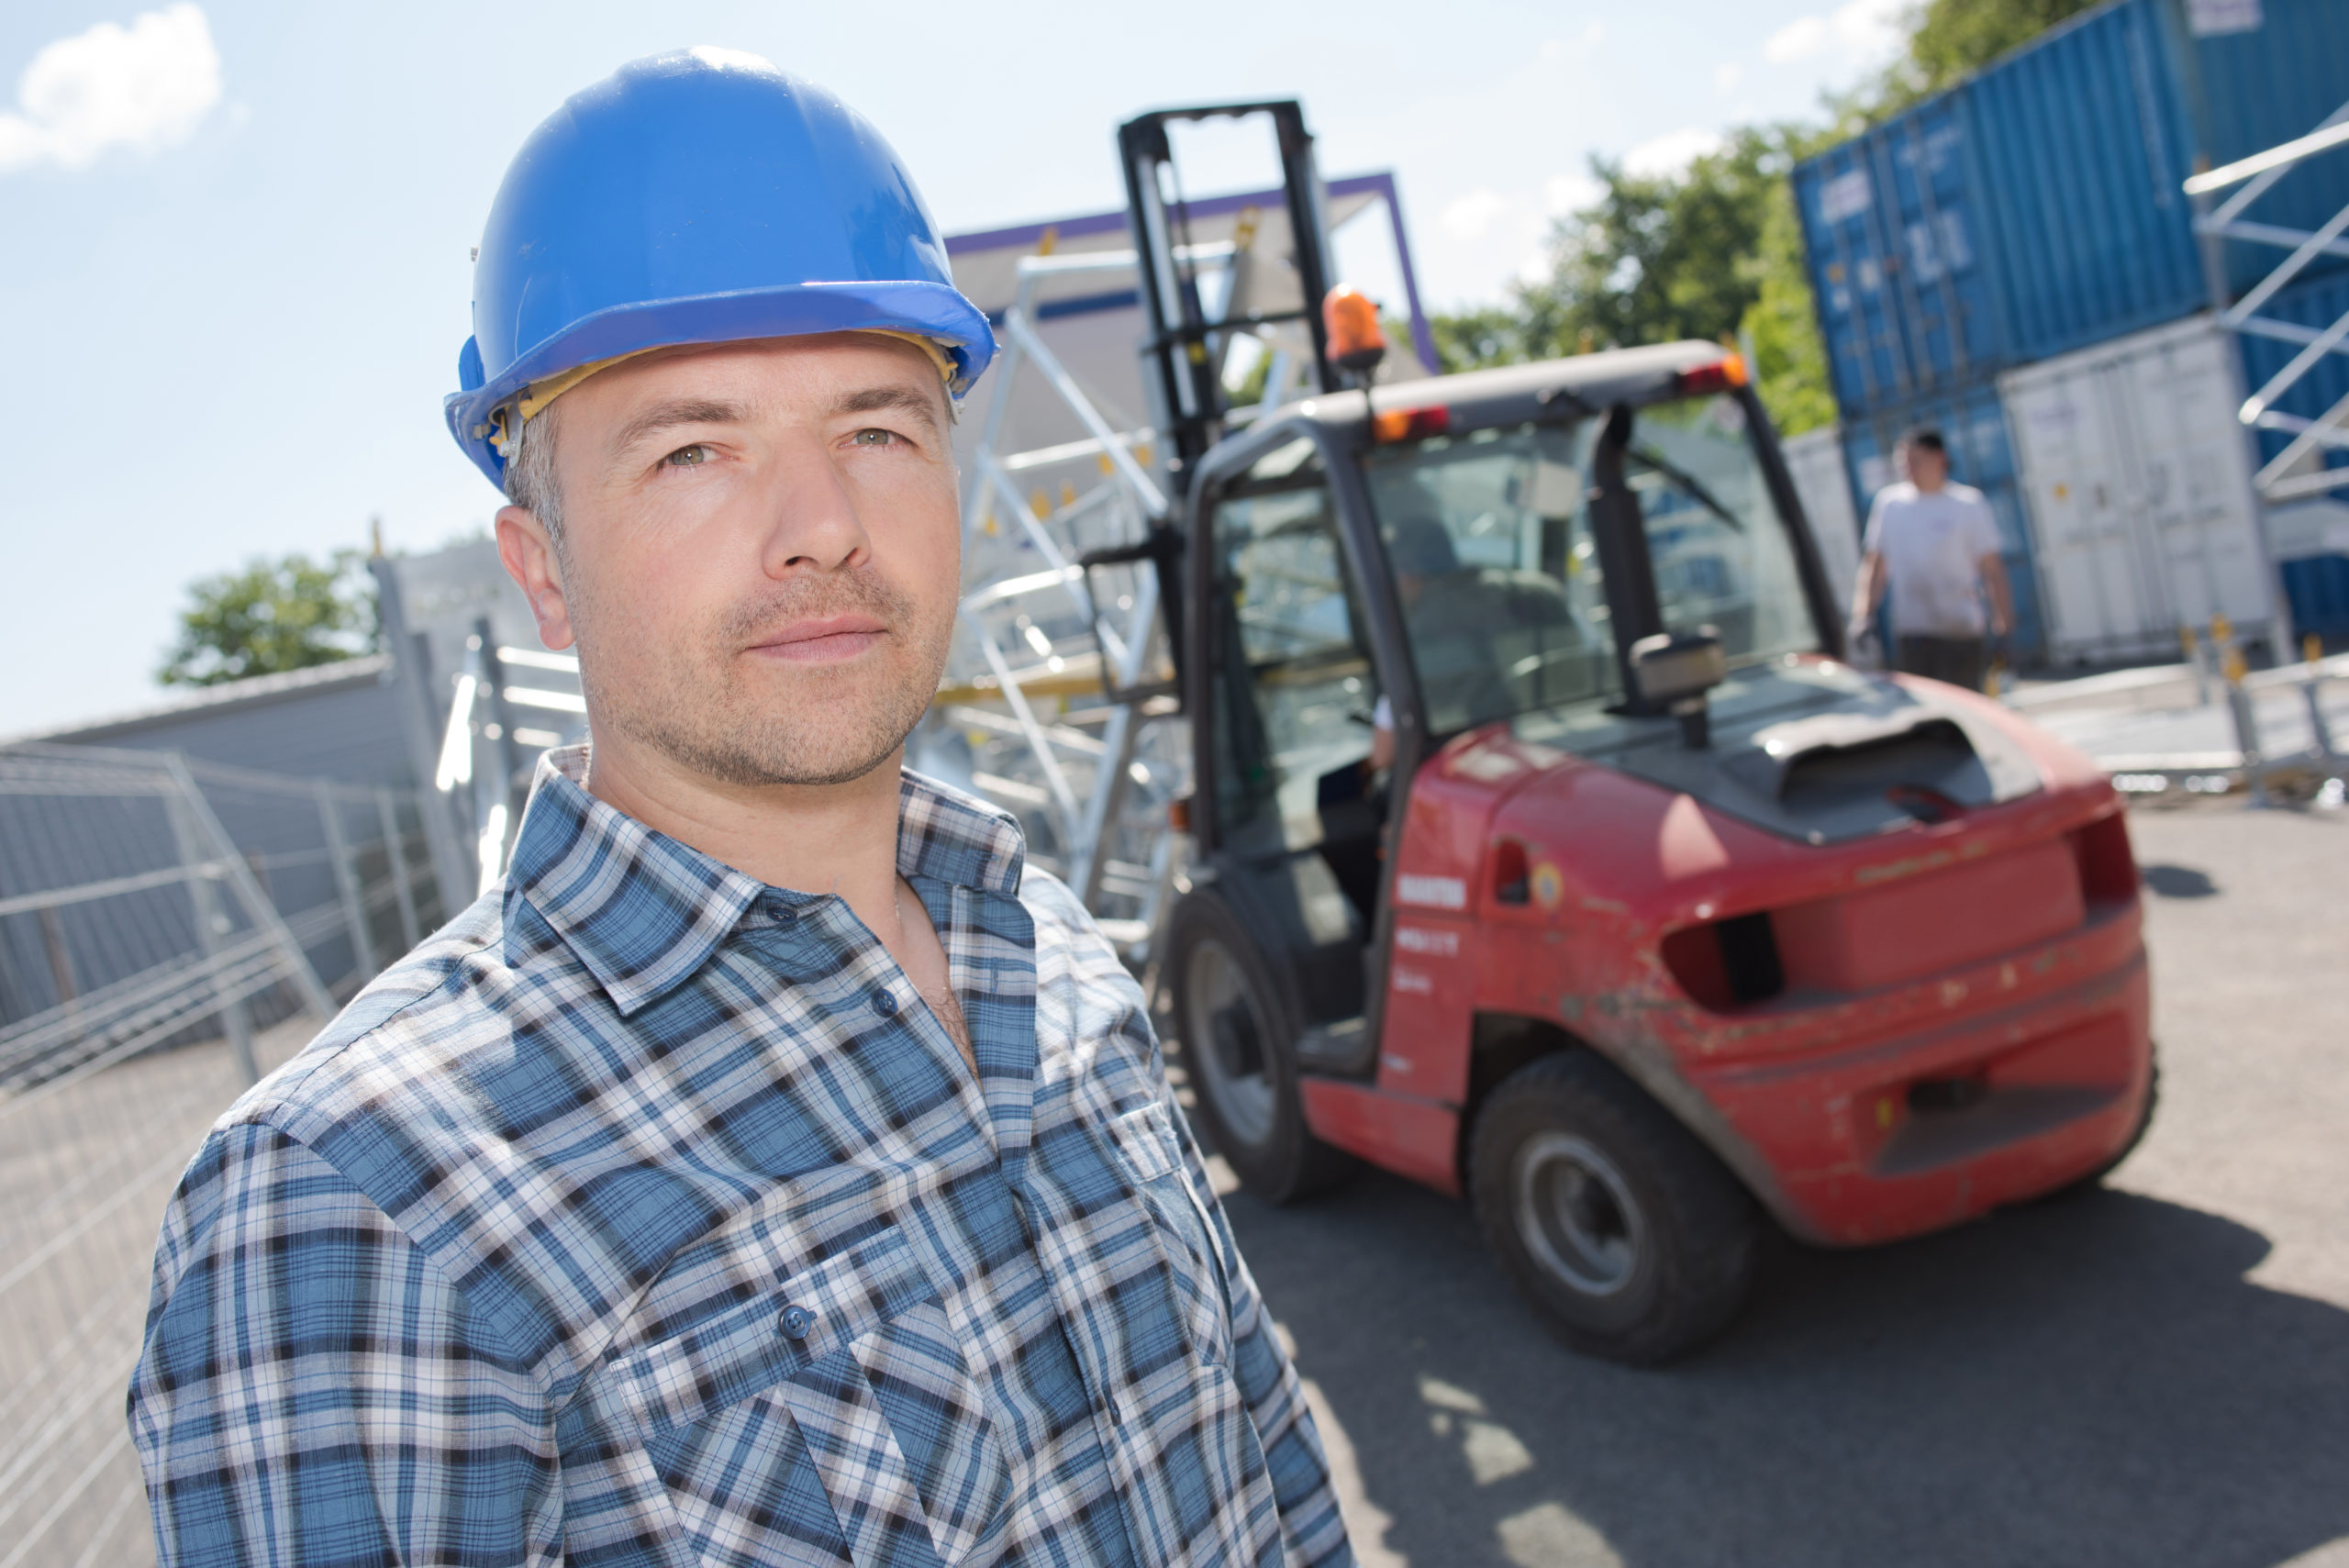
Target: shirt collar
[(643, 911)]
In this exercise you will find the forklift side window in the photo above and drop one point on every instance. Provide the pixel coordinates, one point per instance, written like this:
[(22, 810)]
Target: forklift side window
[(1489, 543), (1293, 666)]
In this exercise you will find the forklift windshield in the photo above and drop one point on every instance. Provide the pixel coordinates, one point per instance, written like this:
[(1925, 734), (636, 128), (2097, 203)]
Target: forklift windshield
[(1489, 538)]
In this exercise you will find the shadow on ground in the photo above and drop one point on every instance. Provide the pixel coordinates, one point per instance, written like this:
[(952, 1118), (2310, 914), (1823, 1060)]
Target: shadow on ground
[(2088, 1381)]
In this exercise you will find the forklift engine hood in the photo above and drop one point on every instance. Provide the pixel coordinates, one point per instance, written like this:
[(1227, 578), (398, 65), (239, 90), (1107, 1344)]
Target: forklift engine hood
[(1814, 751)]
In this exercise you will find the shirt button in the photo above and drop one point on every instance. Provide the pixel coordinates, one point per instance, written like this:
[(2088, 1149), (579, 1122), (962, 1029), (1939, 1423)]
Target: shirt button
[(797, 1321), (785, 916), (884, 1003)]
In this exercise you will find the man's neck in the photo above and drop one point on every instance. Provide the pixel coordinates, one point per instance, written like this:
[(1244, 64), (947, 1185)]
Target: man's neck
[(838, 838)]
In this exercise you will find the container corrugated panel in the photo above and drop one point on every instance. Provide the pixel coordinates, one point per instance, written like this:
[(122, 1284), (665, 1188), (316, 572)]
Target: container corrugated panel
[(2083, 145), (1892, 222), (2258, 86), (2136, 480), (2037, 207), (1980, 453)]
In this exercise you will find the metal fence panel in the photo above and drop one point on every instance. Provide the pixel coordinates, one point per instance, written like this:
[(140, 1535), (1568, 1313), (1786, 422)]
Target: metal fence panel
[(169, 932)]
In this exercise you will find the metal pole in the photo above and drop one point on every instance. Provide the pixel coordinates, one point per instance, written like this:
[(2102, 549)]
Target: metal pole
[(2312, 661), (248, 890), (346, 882), (396, 848), (211, 925)]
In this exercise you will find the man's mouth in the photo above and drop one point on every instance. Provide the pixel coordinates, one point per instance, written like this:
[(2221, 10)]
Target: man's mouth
[(828, 640)]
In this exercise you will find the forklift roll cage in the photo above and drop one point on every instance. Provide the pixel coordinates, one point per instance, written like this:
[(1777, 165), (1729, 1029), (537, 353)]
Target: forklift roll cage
[(1562, 394)]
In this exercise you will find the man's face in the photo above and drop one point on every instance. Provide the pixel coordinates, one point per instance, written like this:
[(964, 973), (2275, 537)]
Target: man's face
[(761, 554), (1928, 469)]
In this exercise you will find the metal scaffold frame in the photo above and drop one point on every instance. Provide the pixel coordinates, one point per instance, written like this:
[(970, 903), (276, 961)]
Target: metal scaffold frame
[(2287, 476), (1083, 744)]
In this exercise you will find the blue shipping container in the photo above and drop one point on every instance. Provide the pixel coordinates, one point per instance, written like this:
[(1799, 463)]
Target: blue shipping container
[(2037, 207), (1979, 454)]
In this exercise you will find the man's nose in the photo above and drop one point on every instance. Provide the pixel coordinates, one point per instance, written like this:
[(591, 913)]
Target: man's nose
[(811, 520)]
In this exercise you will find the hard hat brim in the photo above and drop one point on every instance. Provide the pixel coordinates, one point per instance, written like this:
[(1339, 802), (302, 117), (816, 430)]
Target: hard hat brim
[(932, 310)]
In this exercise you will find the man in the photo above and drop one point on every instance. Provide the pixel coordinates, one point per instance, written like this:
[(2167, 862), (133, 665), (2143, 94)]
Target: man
[(770, 1170), (1935, 546)]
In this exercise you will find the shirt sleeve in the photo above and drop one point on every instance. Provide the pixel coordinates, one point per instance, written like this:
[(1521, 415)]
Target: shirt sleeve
[(313, 1389), (1313, 1531), (1872, 536), (1985, 529)]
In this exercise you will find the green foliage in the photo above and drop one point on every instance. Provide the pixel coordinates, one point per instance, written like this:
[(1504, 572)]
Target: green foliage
[(271, 616), (1790, 362), (1950, 39)]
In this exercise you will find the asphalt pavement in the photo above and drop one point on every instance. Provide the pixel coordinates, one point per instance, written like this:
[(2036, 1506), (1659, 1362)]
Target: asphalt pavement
[(2152, 1374)]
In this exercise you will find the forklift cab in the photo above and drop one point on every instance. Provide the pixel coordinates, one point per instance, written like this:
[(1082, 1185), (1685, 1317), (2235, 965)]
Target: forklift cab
[(1379, 573)]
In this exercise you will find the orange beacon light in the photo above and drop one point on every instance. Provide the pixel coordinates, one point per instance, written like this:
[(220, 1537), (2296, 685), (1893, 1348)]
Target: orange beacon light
[(1356, 340)]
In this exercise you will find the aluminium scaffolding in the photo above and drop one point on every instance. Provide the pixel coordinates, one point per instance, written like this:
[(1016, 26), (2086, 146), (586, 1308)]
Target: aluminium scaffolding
[(2301, 469)]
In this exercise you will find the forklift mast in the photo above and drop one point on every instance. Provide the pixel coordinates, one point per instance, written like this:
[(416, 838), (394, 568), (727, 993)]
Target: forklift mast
[(1183, 348)]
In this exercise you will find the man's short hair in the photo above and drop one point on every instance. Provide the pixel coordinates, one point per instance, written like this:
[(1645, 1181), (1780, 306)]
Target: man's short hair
[(530, 472), (1927, 437)]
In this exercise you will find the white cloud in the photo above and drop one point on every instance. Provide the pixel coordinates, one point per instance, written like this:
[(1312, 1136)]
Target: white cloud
[(1670, 153), (1727, 76), (143, 87), (1470, 217), (1871, 27), (1563, 193), (1576, 49), (1798, 39), (1865, 28)]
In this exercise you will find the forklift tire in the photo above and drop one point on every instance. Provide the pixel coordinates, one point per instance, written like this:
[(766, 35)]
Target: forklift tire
[(1629, 1237), (1237, 1045)]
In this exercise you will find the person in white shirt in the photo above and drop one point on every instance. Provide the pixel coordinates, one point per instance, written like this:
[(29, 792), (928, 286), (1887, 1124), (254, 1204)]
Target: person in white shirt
[(1934, 547)]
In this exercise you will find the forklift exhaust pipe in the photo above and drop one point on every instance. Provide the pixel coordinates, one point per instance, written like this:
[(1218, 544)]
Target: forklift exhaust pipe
[(1673, 672)]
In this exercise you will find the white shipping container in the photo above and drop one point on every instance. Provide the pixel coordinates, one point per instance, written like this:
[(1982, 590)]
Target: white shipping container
[(2137, 481), (1815, 462)]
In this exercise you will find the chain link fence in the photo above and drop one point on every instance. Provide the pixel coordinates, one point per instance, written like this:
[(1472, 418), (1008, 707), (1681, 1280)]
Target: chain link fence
[(170, 932)]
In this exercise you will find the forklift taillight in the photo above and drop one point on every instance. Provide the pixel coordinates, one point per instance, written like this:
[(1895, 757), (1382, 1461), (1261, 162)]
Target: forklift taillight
[(1409, 424), (1724, 374)]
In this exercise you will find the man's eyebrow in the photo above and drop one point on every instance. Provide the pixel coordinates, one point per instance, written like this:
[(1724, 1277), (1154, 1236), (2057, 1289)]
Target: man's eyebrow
[(903, 399), (677, 411)]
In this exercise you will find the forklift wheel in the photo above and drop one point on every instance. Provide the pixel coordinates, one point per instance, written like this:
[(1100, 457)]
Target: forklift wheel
[(1629, 1236), (1236, 1045)]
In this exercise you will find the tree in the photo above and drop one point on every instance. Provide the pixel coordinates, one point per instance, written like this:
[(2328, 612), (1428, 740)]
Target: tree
[(271, 616), (1655, 258), (1951, 39), (1790, 362)]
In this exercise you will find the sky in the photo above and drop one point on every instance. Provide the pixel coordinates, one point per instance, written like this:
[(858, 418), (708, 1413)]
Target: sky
[(235, 236)]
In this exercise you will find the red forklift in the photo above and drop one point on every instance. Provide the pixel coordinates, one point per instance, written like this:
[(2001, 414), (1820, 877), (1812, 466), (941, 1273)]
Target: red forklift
[(1545, 849)]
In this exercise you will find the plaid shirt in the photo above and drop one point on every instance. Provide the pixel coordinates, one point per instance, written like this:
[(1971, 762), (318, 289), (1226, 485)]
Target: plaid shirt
[(645, 1215)]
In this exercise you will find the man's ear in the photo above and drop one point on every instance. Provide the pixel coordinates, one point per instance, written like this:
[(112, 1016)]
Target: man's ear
[(530, 558)]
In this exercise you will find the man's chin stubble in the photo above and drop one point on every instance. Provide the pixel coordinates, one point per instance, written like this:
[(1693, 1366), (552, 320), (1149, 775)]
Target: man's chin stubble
[(743, 744)]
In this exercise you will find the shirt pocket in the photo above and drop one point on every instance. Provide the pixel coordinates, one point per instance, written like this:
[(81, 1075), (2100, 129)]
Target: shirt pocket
[(849, 1373), (1152, 1152)]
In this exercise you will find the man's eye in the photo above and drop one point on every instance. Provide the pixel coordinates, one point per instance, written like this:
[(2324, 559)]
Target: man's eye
[(875, 438), (687, 457)]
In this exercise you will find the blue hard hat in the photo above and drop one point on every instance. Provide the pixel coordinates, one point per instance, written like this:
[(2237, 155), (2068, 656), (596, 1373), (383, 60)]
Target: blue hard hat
[(698, 197)]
